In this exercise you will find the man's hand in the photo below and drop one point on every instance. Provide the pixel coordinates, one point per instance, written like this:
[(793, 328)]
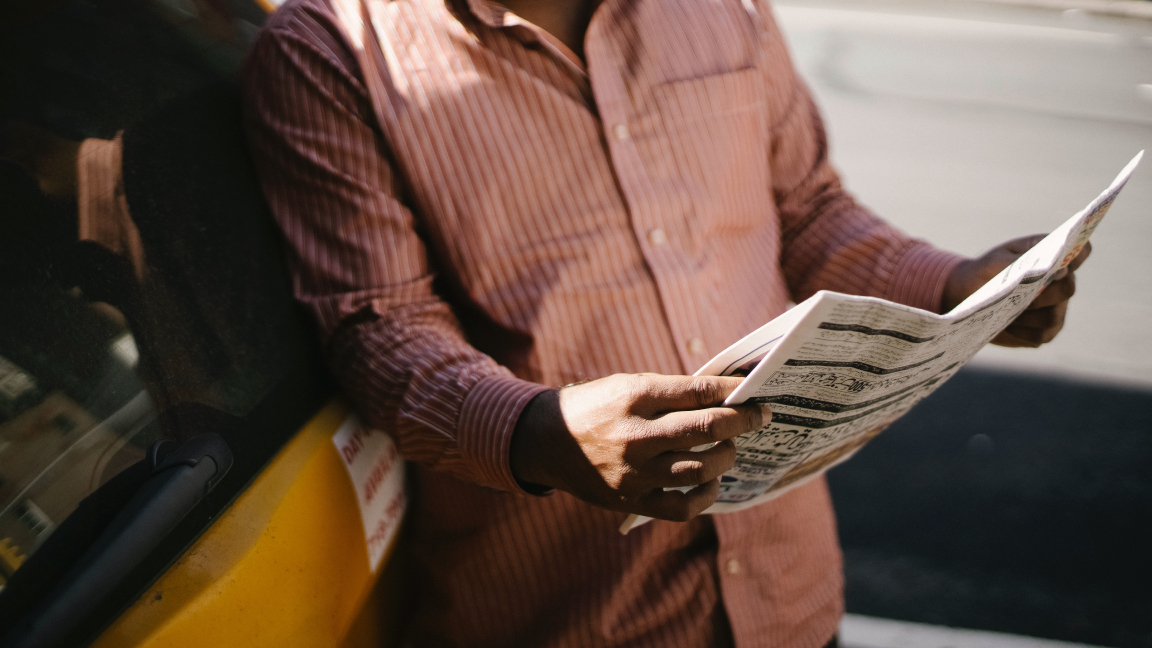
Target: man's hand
[(618, 442), (1043, 318)]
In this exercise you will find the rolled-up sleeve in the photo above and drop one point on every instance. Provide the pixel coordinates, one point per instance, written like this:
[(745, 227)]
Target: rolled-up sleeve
[(829, 241), (358, 262)]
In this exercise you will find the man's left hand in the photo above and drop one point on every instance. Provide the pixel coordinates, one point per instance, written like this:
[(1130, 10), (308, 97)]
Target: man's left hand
[(1043, 318)]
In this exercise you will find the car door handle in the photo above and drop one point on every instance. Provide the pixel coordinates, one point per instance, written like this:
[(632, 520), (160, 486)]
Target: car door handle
[(181, 477)]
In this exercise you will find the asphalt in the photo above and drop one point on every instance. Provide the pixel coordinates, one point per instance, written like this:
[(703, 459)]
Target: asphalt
[(1007, 502)]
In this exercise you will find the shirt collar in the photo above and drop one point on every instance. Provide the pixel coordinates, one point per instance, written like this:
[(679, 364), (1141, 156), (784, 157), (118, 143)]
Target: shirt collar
[(496, 16), (488, 13)]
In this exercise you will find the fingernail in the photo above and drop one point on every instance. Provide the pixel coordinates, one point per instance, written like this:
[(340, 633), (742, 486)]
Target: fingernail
[(767, 413)]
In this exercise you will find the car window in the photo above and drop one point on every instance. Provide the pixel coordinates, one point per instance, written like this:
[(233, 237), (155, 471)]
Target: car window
[(73, 411), (142, 282)]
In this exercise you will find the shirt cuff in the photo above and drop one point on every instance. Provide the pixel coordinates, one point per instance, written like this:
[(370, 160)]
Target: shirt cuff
[(487, 420), (920, 276), (102, 208)]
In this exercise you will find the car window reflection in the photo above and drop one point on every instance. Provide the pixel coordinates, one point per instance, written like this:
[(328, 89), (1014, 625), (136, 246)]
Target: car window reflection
[(140, 280)]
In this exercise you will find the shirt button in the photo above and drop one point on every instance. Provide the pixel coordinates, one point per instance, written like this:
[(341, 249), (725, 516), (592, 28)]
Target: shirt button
[(732, 566), (620, 131), (657, 237), (696, 345)]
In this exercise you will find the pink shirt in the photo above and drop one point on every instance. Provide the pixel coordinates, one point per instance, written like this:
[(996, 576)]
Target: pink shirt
[(475, 215)]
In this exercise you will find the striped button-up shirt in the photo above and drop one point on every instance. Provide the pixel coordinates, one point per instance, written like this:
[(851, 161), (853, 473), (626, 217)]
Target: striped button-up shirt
[(475, 213)]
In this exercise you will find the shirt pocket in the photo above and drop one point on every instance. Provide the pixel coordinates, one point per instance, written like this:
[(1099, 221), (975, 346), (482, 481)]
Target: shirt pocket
[(716, 135)]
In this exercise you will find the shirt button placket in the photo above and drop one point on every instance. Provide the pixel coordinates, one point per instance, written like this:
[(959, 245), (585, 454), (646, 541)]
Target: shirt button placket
[(625, 159)]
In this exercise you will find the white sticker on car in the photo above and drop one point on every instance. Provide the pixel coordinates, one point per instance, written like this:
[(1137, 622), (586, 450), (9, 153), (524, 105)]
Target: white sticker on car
[(377, 472)]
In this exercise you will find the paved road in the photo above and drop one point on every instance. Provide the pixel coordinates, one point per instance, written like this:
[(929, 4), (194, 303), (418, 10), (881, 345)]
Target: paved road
[(1007, 502), (970, 123)]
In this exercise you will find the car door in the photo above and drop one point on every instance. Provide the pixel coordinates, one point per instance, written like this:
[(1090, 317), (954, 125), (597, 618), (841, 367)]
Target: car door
[(175, 467)]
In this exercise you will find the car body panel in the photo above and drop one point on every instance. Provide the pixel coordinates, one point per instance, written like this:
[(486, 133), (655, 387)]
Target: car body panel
[(285, 565)]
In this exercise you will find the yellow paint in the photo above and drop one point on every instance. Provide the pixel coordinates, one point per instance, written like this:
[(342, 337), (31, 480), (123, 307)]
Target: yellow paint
[(286, 565), (269, 5), (10, 555)]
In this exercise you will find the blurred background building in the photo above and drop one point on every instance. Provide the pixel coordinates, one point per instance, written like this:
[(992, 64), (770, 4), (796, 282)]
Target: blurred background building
[(971, 123)]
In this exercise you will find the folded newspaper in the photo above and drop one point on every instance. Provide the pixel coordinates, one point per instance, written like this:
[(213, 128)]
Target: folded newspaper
[(837, 369)]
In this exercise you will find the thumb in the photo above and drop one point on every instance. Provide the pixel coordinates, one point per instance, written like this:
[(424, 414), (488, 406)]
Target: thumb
[(1021, 245)]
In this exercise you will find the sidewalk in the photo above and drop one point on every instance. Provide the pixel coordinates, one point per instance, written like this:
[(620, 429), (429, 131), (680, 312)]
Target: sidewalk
[(858, 631), (1120, 8)]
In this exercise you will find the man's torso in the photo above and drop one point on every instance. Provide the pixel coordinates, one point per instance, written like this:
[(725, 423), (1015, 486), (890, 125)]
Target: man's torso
[(585, 222)]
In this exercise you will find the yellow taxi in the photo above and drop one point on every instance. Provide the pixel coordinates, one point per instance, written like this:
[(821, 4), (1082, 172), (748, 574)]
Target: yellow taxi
[(176, 468)]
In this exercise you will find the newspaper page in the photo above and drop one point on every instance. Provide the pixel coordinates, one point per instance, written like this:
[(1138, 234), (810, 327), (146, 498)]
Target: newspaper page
[(837, 369)]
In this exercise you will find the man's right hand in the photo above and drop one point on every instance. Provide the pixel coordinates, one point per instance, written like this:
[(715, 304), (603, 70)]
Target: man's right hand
[(619, 441)]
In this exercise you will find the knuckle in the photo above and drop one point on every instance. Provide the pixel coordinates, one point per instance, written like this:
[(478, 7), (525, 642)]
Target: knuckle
[(617, 480), (707, 426), (693, 472), (633, 432), (704, 391), (632, 387), (635, 444)]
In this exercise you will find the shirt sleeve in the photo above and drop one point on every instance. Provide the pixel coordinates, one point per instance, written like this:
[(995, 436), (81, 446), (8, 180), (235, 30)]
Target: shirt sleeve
[(829, 242), (358, 262), (102, 209)]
